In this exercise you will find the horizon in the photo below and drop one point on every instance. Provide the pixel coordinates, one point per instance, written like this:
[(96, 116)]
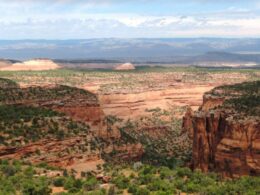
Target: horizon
[(164, 49)]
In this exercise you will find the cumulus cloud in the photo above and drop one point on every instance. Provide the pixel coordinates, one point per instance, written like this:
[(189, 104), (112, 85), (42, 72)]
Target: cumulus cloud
[(141, 26), (64, 19)]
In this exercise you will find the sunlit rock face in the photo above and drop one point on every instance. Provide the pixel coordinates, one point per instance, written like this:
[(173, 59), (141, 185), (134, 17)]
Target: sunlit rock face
[(35, 64), (126, 66), (225, 139)]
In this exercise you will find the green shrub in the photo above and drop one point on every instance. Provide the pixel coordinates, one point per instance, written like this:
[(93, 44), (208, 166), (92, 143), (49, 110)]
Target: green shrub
[(8, 170), (90, 184), (69, 183), (97, 192), (142, 191), (38, 186), (121, 182), (29, 172), (59, 181), (181, 172), (133, 188), (145, 179), (158, 184)]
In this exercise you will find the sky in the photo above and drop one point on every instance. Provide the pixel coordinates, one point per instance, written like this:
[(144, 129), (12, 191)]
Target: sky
[(84, 19)]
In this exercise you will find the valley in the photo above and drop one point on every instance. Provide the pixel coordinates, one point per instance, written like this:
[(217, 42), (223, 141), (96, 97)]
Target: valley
[(84, 121)]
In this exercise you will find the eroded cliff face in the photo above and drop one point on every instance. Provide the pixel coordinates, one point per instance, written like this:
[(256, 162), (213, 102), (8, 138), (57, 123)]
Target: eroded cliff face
[(224, 139), (135, 105), (211, 102), (55, 152), (78, 104), (78, 136)]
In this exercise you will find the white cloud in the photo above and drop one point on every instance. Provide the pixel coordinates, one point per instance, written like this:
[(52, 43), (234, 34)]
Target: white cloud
[(35, 20), (89, 26)]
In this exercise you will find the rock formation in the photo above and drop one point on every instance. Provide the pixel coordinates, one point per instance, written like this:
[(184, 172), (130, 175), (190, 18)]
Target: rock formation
[(78, 136), (78, 104), (126, 66), (72, 147), (52, 151), (128, 104), (35, 64), (226, 131)]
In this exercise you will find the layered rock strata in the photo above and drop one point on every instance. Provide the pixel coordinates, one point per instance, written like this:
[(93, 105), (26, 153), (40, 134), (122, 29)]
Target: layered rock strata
[(226, 139)]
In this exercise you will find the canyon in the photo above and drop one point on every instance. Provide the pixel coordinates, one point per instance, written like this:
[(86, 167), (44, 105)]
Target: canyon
[(126, 116), (76, 104), (130, 95), (81, 118), (136, 105)]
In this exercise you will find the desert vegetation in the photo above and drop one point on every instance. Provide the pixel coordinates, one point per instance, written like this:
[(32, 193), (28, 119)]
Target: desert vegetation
[(50, 93), (30, 129), (7, 83), (24, 124), (161, 135), (18, 177), (143, 78), (243, 97)]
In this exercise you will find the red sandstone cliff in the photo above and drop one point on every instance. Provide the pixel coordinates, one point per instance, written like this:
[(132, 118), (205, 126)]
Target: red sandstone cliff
[(77, 104), (55, 152), (224, 140)]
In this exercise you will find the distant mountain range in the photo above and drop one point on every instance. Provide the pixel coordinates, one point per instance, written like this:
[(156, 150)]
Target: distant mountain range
[(181, 50), (224, 57)]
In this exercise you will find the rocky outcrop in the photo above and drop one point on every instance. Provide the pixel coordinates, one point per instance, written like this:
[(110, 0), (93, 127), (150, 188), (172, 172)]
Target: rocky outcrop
[(187, 124), (224, 139), (225, 145), (55, 152), (211, 102), (126, 66), (135, 105), (35, 64), (125, 152)]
